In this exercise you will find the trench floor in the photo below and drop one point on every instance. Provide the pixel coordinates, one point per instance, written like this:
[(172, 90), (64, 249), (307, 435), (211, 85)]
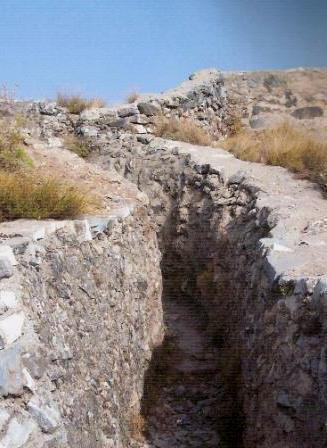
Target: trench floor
[(182, 411)]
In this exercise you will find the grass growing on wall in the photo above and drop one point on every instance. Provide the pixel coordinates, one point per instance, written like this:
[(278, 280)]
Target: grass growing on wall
[(182, 129), (75, 104)]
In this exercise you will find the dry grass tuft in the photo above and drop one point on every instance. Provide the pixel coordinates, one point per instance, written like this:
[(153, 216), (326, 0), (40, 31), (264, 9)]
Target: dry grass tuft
[(82, 146), (12, 152), (283, 146), (76, 103), (26, 195), (132, 97), (182, 129)]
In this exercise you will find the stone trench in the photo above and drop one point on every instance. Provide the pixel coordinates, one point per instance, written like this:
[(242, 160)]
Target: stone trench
[(192, 394), (207, 385), (243, 362)]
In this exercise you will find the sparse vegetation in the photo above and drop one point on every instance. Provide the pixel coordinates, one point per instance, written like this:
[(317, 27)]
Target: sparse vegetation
[(81, 146), (26, 195), (77, 103), (24, 192), (182, 129), (132, 97), (12, 152), (284, 146)]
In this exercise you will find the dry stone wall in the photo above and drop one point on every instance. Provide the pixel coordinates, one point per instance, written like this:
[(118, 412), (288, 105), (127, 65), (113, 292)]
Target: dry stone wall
[(202, 98), (246, 255), (247, 242), (80, 315)]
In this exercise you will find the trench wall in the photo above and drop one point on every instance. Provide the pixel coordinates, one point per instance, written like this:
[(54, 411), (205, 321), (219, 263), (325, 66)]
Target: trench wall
[(80, 313), (217, 239), (219, 236)]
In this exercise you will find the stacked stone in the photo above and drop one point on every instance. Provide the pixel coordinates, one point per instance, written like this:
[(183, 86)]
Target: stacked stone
[(79, 317), (202, 98)]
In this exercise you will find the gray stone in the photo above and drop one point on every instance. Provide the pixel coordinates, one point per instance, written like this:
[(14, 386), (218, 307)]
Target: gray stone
[(145, 139), (8, 300), (18, 433), (11, 326), (88, 131), (50, 109), (308, 112), (148, 108), (138, 129), (12, 379), (121, 123), (237, 178), (45, 413), (6, 269), (127, 111), (4, 417), (257, 122), (7, 252)]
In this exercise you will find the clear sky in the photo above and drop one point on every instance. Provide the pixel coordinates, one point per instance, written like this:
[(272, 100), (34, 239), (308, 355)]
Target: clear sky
[(108, 48)]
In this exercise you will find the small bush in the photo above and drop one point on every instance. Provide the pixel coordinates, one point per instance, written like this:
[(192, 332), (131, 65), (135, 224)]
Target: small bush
[(26, 195), (182, 129), (76, 103), (284, 146), (132, 97), (12, 153), (79, 145)]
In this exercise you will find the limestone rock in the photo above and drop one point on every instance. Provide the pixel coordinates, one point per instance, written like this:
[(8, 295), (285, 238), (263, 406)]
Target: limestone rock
[(11, 327), (45, 413), (148, 108), (6, 269), (18, 433)]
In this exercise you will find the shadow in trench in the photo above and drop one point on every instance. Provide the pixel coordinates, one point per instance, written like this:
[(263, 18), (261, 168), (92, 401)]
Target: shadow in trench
[(183, 389)]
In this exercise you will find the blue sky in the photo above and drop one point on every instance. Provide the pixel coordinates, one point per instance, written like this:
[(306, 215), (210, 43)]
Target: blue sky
[(108, 48)]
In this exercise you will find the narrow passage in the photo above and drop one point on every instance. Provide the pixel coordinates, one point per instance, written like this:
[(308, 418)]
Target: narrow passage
[(184, 389)]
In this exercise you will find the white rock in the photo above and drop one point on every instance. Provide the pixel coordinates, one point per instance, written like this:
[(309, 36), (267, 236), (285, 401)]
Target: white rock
[(30, 383), (6, 251), (4, 417), (45, 413), (82, 229), (55, 142), (6, 269), (274, 245), (139, 129), (8, 300), (11, 327), (17, 434)]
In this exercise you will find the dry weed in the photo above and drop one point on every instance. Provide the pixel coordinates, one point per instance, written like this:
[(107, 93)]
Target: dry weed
[(182, 129)]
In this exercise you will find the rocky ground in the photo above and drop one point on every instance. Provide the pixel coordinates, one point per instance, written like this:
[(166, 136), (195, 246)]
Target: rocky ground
[(266, 98), (182, 412)]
